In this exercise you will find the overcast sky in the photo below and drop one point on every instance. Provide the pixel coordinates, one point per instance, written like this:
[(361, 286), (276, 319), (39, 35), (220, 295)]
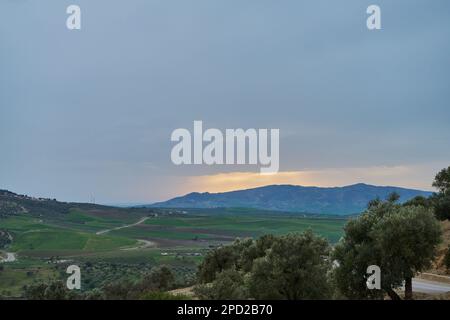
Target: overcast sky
[(90, 112)]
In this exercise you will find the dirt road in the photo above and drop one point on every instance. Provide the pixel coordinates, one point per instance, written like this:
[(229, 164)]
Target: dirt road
[(122, 227)]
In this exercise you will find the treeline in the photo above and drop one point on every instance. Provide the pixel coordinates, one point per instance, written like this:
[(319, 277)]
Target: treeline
[(153, 286), (99, 273), (401, 240)]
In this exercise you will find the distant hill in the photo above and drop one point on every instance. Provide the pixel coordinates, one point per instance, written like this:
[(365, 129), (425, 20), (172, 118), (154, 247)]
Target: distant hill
[(337, 200), (13, 204)]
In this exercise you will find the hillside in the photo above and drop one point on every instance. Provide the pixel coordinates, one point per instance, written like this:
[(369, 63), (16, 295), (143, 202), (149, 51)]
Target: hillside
[(336, 200), (39, 238), (14, 204)]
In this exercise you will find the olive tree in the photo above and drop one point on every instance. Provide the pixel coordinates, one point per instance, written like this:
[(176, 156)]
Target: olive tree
[(296, 267), (401, 240), (293, 266)]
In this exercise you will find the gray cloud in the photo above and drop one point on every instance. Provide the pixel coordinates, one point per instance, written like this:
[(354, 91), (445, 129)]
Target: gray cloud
[(91, 111)]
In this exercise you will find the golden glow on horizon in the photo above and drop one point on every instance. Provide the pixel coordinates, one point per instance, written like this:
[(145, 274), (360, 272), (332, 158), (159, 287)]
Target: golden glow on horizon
[(223, 182), (402, 176)]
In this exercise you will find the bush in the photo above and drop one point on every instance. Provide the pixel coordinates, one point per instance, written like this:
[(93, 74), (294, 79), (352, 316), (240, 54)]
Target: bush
[(296, 267), (56, 290), (228, 285), (159, 279)]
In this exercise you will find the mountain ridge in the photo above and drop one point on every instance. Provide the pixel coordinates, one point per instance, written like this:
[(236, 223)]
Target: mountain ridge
[(350, 199)]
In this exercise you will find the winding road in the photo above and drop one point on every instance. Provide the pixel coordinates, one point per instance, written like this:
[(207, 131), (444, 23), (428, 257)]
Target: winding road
[(142, 244), (122, 227)]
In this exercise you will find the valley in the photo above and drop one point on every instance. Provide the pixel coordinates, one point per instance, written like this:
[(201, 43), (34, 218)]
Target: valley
[(116, 243), (40, 238)]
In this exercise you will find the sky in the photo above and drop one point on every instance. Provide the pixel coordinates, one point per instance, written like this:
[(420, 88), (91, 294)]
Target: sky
[(89, 113)]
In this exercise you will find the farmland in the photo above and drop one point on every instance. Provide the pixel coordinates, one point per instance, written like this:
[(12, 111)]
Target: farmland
[(109, 243)]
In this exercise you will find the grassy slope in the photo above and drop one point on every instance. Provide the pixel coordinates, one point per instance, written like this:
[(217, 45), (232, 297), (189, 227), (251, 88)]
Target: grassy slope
[(33, 234)]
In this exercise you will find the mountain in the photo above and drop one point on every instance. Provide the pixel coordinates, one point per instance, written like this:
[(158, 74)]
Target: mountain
[(336, 200)]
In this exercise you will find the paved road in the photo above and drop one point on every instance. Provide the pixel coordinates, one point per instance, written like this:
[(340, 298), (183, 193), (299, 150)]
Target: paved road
[(426, 286), (122, 227)]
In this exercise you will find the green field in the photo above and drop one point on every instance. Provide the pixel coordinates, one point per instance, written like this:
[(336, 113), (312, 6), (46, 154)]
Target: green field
[(249, 225), (37, 234), (45, 245), (75, 233)]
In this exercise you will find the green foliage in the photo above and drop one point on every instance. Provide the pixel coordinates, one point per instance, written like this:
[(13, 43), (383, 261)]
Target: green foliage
[(218, 260), (374, 203), (5, 239), (401, 240), (55, 290), (393, 197), (240, 255), (97, 274), (94, 294), (252, 250), (228, 284), (442, 206), (292, 266), (419, 201), (151, 286), (159, 279), (441, 201), (9, 208), (442, 181), (119, 290)]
